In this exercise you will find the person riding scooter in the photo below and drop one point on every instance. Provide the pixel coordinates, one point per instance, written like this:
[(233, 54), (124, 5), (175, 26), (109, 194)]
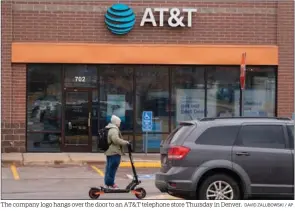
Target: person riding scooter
[(114, 152)]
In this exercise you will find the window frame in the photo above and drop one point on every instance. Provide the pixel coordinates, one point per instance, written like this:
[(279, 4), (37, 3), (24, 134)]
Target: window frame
[(238, 142)]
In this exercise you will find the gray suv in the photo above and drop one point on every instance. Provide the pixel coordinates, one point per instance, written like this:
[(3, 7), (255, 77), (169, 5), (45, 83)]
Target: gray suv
[(228, 159)]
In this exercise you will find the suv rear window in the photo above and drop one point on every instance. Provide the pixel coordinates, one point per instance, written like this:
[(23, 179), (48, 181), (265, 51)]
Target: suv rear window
[(176, 133), (221, 135)]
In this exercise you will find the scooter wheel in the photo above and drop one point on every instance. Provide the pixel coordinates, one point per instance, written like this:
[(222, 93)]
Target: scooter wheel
[(141, 193), (93, 193)]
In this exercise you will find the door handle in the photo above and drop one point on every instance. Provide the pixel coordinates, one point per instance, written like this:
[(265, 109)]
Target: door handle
[(70, 126), (242, 153), (89, 118)]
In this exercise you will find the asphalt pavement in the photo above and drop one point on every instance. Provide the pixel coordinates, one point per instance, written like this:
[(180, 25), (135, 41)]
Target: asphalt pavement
[(70, 182)]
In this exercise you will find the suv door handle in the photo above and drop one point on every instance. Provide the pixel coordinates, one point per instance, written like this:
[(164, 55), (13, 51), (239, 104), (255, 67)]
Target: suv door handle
[(242, 153)]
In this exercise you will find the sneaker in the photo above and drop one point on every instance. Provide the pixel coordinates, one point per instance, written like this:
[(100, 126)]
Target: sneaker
[(114, 186)]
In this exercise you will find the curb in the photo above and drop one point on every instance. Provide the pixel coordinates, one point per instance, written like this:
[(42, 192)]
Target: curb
[(123, 164), (8, 162), (142, 164)]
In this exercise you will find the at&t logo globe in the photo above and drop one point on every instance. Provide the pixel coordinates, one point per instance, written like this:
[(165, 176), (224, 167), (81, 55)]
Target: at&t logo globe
[(120, 19)]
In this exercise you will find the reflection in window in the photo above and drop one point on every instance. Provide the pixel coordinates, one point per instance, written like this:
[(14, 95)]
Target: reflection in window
[(116, 95), (223, 91), (43, 142), (44, 101), (80, 75), (152, 145), (260, 92), (152, 94), (188, 94)]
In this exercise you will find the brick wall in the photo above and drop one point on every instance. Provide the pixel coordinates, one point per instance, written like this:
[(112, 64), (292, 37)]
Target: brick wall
[(285, 41), (216, 22), (7, 123)]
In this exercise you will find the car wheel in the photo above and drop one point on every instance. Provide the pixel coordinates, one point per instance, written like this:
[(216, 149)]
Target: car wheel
[(219, 187)]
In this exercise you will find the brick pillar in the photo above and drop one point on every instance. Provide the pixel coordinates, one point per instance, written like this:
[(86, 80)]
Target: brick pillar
[(6, 80), (13, 132), (285, 41), (13, 85)]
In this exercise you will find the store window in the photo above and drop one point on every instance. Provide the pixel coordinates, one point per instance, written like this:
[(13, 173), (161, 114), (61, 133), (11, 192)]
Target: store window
[(260, 92), (116, 95), (172, 93), (80, 75), (152, 94), (223, 91), (188, 94), (44, 107)]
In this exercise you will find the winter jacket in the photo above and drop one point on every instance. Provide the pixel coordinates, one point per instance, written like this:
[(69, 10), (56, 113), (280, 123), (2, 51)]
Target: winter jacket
[(115, 140)]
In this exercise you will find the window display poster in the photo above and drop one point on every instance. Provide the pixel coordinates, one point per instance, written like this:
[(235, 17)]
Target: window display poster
[(116, 105), (257, 103), (189, 104), (221, 101)]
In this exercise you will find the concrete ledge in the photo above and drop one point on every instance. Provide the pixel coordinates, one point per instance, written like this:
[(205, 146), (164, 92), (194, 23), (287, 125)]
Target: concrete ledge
[(83, 158), (12, 158), (45, 158)]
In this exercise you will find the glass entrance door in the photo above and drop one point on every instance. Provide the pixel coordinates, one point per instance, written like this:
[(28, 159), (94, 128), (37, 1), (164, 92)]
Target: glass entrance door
[(77, 121)]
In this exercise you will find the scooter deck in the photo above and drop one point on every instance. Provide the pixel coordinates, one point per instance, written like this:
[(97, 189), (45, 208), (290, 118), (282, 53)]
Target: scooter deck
[(108, 190)]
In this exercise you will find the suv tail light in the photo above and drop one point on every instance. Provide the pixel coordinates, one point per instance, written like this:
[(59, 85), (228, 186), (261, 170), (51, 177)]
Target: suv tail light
[(177, 152)]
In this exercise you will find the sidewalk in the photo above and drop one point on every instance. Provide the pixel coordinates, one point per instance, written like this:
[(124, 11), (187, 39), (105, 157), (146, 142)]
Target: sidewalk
[(28, 159)]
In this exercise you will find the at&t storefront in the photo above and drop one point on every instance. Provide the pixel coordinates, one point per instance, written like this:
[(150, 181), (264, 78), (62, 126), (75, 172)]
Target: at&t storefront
[(72, 66)]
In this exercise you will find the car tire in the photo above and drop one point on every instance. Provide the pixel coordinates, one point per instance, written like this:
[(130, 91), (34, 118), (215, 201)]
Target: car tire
[(208, 190)]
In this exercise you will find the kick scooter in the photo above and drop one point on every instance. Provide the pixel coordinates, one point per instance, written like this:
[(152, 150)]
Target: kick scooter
[(139, 192)]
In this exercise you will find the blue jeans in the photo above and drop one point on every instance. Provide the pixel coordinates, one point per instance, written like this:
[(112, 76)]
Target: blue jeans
[(113, 162)]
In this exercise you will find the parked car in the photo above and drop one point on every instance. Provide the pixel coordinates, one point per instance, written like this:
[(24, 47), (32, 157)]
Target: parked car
[(228, 159)]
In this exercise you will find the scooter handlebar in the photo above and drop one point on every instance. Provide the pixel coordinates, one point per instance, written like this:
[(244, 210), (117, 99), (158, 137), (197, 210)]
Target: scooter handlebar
[(129, 147)]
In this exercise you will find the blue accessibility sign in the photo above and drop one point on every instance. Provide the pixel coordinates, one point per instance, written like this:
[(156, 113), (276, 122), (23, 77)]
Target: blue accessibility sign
[(147, 121)]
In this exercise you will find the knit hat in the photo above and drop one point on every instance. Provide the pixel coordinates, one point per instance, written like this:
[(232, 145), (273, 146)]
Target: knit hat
[(115, 120)]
